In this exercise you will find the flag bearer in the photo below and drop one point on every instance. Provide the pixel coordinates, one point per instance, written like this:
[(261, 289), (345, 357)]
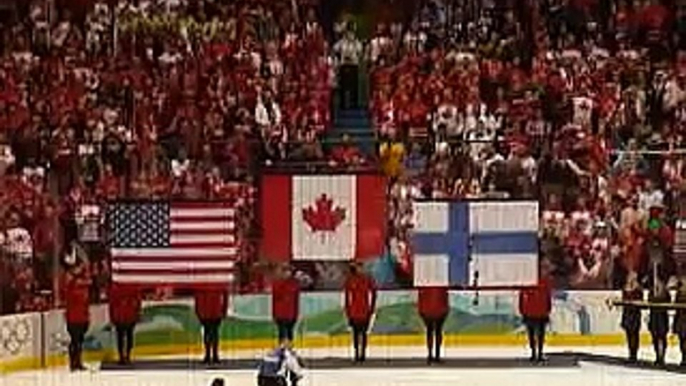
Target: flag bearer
[(631, 316), (77, 291), (535, 304), (679, 325), (210, 307), (658, 322), (125, 307), (360, 302), (433, 308), (285, 302)]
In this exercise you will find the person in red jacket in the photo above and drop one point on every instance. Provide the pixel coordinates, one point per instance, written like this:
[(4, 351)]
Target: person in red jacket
[(535, 304), (125, 307), (433, 308), (77, 313), (360, 302), (210, 307), (285, 302)]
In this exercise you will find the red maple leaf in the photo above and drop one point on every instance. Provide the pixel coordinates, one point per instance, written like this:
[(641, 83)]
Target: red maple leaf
[(323, 217)]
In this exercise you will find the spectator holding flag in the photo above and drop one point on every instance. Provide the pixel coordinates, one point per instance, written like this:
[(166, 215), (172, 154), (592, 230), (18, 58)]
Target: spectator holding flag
[(360, 303)]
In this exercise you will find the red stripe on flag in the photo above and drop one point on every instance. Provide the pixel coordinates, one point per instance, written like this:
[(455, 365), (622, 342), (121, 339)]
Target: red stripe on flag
[(161, 272), (206, 245), (275, 196), (169, 259), (371, 216), (200, 232), (191, 219), (201, 205)]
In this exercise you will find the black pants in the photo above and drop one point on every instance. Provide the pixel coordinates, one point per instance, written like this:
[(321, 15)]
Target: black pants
[(360, 328), (434, 337), (77, 334), (660, 347), (682, 348), (285, 329), (271, 381), (535, 329), (633, 341), (211, 339), (348, 83), (125, 341)]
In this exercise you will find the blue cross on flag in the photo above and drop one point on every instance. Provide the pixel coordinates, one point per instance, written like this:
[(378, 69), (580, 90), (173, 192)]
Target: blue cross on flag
[(480, 243)]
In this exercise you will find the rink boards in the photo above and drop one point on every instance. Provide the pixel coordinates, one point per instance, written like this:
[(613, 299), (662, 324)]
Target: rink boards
[(170, 328)]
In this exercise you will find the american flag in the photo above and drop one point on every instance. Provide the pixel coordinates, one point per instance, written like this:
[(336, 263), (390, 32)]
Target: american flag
[(182, 244)]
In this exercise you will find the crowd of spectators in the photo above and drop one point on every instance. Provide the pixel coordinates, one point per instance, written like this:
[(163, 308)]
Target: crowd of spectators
[(144, 99), (577, 103)]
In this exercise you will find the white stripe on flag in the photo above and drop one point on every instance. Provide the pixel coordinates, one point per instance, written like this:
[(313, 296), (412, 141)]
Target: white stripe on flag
[(431, 217), (218, 212), (173, 279), (173, 252), (202, 239), (431, 270), (168, 265), (501, 216), (204, 225), (509, 270)]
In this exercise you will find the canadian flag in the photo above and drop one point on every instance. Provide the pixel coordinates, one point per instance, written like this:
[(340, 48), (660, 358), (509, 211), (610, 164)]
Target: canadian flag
[(323, 217)]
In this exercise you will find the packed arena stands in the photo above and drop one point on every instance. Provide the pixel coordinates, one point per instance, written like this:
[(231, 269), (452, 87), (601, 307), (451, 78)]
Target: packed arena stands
[(579, 104)]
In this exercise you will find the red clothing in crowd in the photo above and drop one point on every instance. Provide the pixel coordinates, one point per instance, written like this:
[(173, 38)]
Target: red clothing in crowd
[(125, 304), (433, 302), (211, 304), (360, 297), (536, 302), (77, 301), (285, 299)]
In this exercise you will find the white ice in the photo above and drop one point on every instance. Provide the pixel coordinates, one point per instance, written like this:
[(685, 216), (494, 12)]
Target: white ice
[(586, 375)]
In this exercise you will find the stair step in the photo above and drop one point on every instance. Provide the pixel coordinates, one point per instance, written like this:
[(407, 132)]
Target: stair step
[(353, 125), (353, 113), (353, 128)]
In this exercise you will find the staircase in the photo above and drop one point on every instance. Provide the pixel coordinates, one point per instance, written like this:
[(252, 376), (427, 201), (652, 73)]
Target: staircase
[(356, 123)]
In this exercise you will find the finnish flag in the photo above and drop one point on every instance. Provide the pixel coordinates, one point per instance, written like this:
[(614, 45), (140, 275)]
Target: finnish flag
[(480, 243)]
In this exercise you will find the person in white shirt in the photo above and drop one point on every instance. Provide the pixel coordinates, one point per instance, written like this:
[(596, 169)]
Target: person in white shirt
[(349, 53), (379, 45), (267, 113), (18, 241)]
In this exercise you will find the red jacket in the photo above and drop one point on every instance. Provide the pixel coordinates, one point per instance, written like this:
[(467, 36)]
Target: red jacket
[(536, 302), (433, 302), (360, 297), (285, 299), (78, 302), (125, 304), (211, 304)]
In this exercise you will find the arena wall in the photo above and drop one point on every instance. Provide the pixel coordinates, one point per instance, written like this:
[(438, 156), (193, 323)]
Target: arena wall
[(170, 328)]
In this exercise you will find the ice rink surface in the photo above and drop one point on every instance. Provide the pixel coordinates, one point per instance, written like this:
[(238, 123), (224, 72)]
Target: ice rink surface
[(588, 374)]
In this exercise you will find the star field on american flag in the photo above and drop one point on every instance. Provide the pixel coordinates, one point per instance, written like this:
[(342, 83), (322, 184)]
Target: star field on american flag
[(140, 225)]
